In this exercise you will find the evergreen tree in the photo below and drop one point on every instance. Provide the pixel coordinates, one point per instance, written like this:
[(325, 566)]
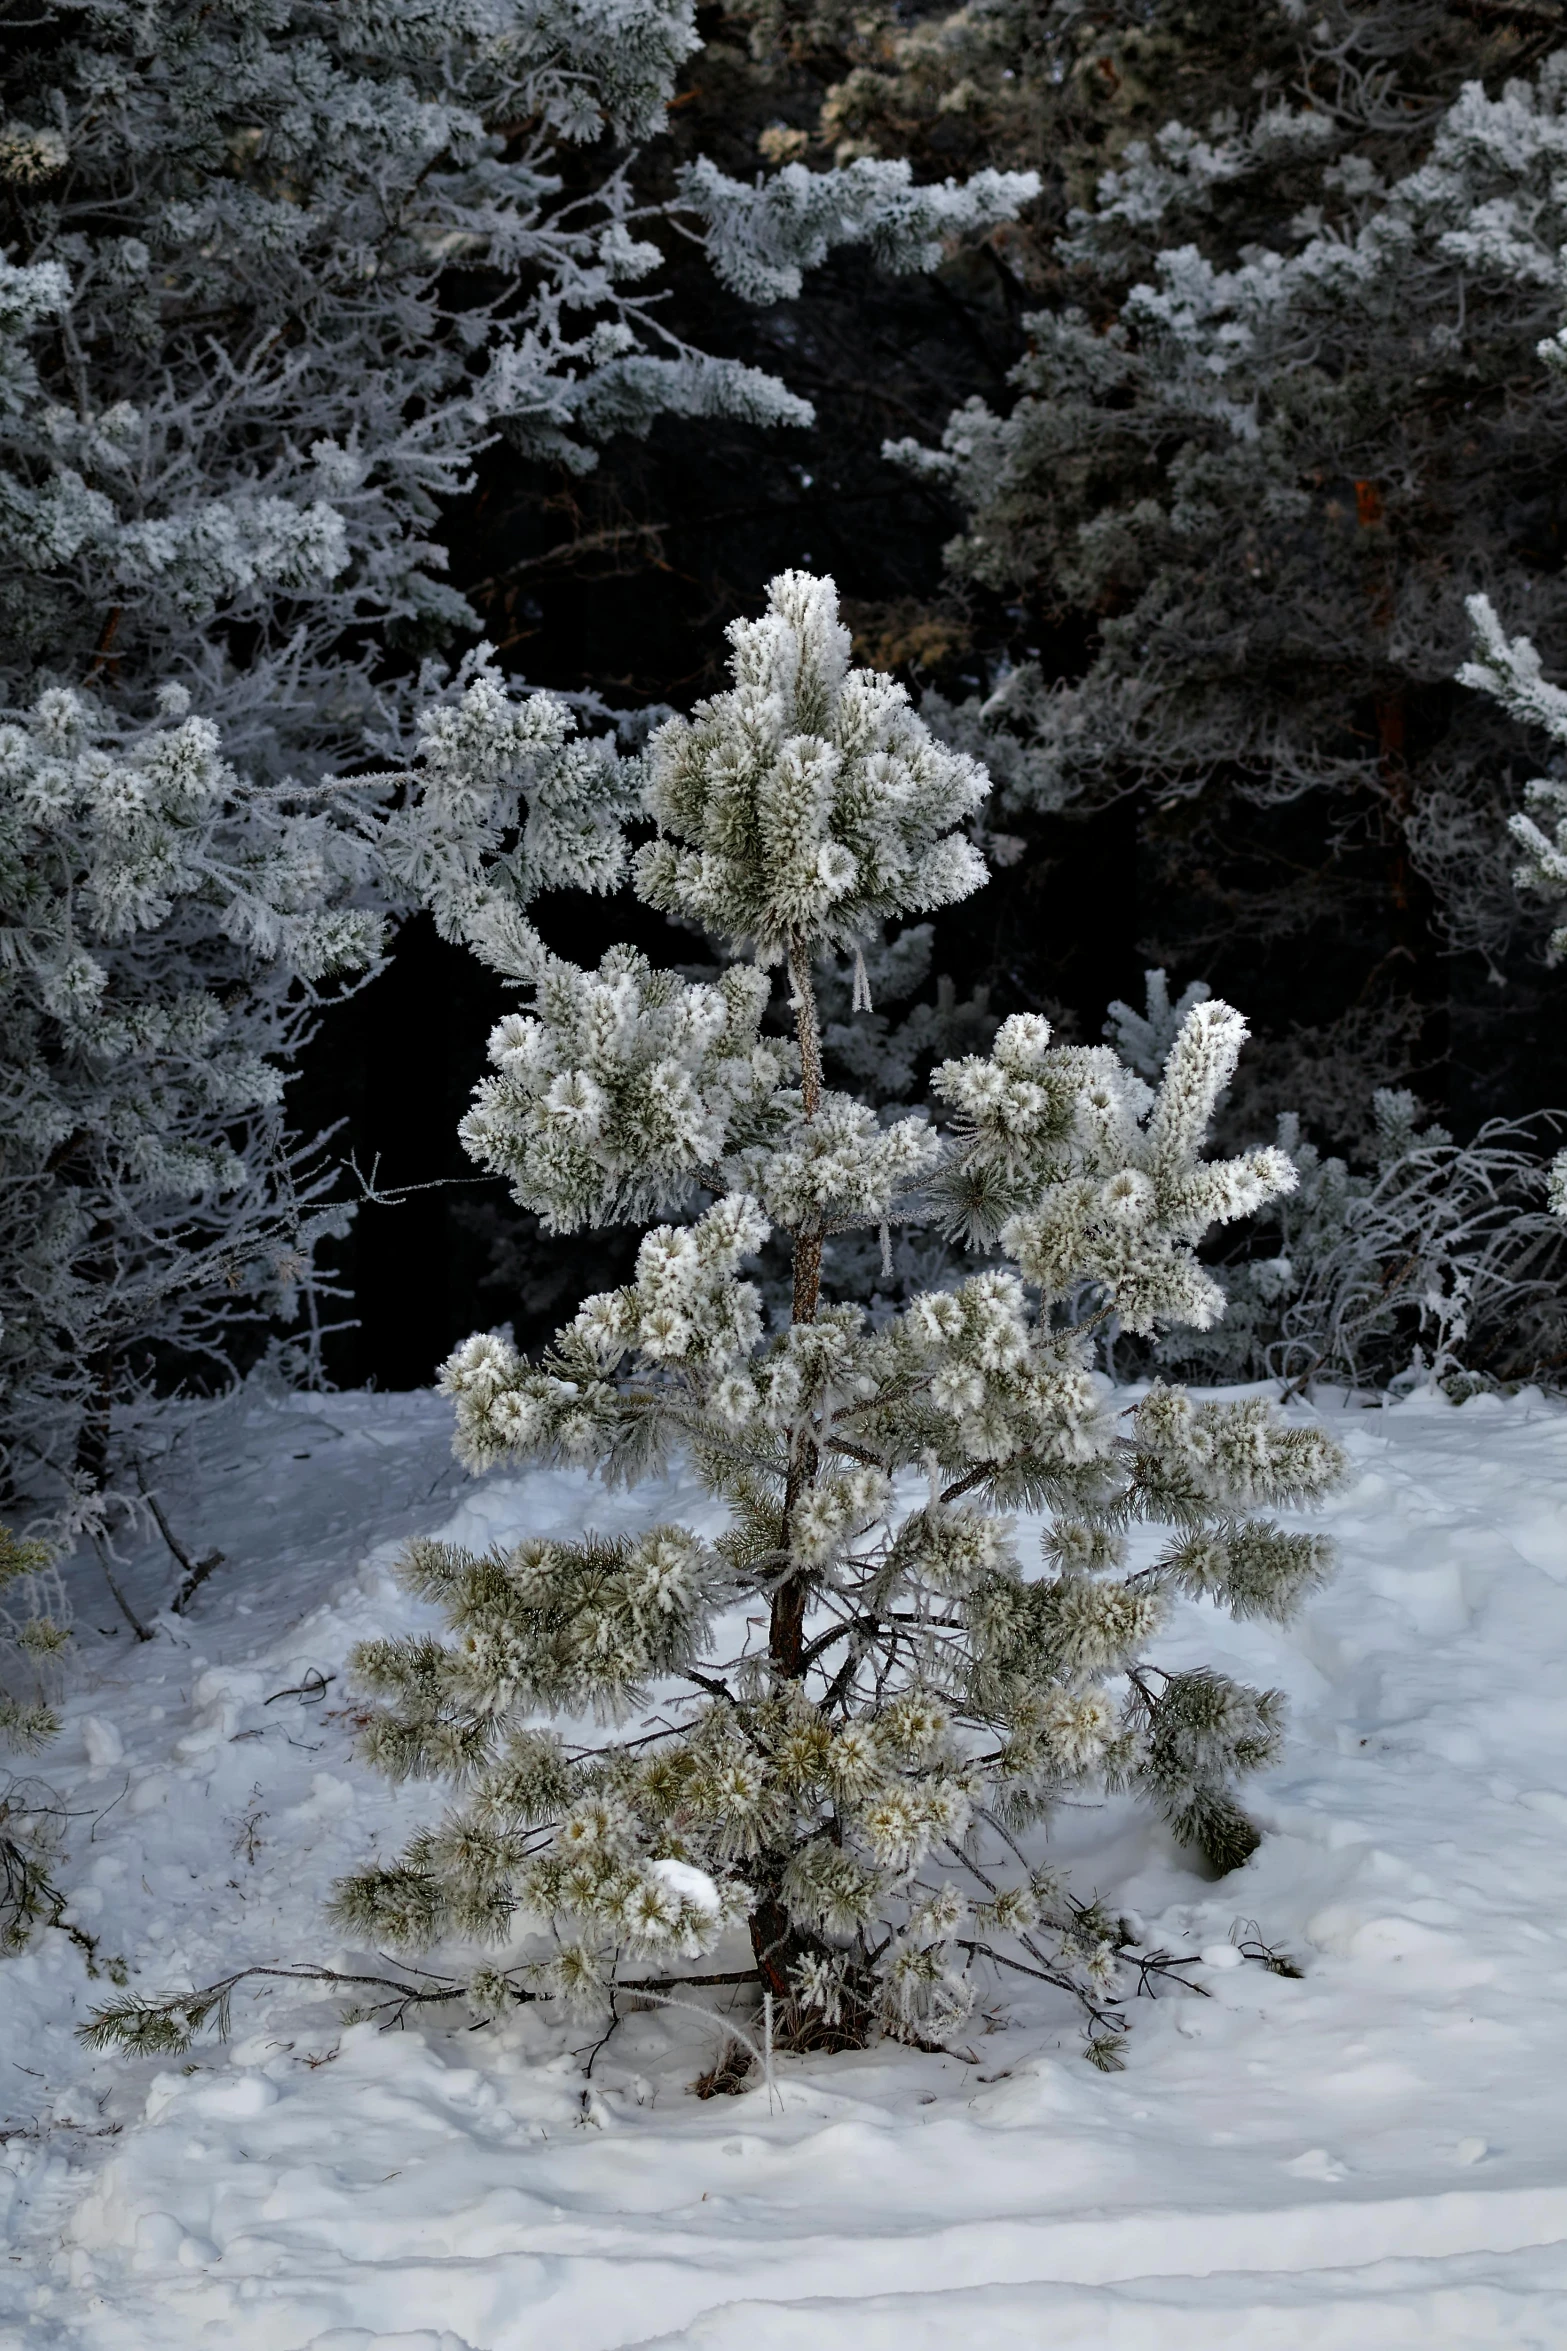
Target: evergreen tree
[(853, 1788), (278, 273), (169, 928), (1282, 407), (1509, 672)]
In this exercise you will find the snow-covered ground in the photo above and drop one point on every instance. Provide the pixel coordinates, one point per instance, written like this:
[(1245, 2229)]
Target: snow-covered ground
[(1372, 2156)]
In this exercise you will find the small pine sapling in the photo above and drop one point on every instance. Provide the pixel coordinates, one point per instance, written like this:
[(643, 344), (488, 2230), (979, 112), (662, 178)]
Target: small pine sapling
[(853, 1789), (832, 1726)]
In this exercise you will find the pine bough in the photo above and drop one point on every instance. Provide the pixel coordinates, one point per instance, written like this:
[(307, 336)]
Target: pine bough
[(32, 1633)]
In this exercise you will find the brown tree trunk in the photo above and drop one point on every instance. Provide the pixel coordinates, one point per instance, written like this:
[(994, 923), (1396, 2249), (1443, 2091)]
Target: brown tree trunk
[(775, 1945)]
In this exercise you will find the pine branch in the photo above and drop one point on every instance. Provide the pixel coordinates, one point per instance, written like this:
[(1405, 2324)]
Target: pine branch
[(167, 2027)]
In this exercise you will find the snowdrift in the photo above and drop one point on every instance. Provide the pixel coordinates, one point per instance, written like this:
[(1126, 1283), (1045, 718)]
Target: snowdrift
[(1365, 2156)]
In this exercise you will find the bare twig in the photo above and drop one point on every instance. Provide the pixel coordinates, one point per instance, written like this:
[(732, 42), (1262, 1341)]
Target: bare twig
[(194, 1571), (309, 1692), (120, 1601)]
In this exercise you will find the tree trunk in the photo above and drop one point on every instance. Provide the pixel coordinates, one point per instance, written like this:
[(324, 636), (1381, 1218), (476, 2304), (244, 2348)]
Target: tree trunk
[(786, 1634), (776, 1941)]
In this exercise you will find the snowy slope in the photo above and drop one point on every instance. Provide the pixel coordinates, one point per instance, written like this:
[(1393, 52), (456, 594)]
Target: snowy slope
[(1373, 2156)]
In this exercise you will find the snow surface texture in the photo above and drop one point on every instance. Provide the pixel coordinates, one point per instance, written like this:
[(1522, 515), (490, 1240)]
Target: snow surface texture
[(1370, 2157)]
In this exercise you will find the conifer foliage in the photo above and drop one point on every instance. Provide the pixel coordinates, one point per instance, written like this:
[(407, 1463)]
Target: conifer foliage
[(1509, 671), (168, 926), (275, 274), (279, 271), (1292, 388), (832, 1722)]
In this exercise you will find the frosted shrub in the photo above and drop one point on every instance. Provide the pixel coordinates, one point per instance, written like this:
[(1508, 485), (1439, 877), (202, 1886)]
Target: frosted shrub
[(1436, 1265), (830, 1726), (1446, 1269)]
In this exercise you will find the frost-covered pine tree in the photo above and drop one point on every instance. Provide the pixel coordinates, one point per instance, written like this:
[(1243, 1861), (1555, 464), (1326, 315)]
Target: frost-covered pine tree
[(1509, 671), (1290, 393), (276, 274), (169, 926), (832, 1724), (174, 925)]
